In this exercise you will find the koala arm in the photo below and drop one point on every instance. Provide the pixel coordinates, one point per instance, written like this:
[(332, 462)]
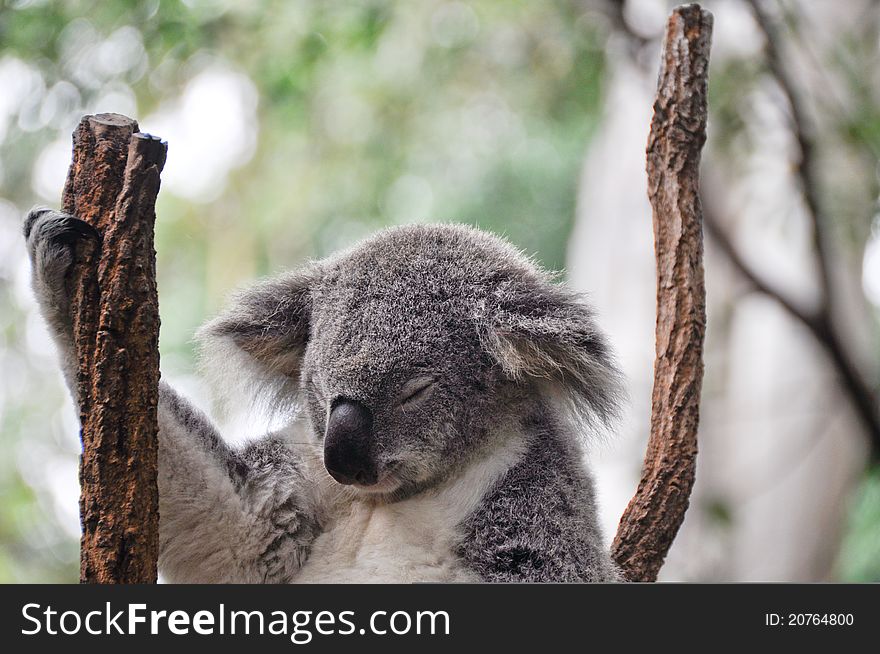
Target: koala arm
[(225, 515), (229, 516), (51, 237)]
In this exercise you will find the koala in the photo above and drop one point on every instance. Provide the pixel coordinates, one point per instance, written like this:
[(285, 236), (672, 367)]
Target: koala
[(439, 389)]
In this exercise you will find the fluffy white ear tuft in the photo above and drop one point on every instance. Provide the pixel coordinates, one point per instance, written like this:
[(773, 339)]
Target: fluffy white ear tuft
[(542, 332), (255, 348)]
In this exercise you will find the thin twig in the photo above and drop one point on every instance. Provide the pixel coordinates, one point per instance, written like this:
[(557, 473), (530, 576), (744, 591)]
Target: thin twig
[(818, 324), (805, 164)]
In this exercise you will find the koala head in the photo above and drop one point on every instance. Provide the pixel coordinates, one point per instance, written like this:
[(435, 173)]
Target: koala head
[(409, 349)]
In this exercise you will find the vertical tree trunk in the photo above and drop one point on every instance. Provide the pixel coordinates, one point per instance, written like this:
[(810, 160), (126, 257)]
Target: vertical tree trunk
[(678, 131), (112, 184)]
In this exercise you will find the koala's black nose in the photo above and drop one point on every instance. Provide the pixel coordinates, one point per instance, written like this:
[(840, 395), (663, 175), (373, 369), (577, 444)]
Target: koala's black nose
[(348, 448)]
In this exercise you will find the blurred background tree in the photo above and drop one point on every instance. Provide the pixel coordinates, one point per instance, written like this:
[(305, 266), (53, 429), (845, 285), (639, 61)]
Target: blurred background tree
[(296, 128)]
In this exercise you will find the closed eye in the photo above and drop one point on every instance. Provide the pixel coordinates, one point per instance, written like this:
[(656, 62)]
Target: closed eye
[(416, 389)]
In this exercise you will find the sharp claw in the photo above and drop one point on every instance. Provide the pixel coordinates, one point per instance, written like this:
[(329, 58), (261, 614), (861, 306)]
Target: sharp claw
[(36, 212), (31, 218), (61, 227), (82, 227)]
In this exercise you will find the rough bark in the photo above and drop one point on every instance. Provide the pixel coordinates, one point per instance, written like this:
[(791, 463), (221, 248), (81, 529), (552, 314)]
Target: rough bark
[(112, 184), (678, 131)]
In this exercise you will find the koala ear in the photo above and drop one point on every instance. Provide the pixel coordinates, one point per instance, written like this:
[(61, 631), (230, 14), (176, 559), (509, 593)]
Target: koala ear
[(543, 332), (259, 341)]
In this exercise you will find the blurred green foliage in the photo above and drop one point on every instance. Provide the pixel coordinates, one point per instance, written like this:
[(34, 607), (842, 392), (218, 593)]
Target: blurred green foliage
[(860, 556)]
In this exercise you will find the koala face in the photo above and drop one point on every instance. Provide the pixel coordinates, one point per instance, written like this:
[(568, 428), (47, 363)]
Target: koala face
[(395, 373), (409, 349)]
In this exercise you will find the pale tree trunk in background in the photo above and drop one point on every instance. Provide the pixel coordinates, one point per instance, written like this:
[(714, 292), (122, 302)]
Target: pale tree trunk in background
[(780, 448)]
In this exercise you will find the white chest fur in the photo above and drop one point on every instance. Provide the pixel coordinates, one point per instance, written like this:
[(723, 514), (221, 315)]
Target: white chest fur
[(414, 540)]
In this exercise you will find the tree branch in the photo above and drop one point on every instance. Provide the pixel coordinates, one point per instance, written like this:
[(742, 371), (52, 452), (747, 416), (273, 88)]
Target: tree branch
[(805, 164), (820, 322), (678, 132), (112, 184), (725, 243), (819, 325)]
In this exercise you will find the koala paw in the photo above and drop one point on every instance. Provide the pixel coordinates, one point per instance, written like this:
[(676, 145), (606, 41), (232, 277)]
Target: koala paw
[(51, 240)]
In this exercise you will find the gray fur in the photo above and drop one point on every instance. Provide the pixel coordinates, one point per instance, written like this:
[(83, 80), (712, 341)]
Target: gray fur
[(539, 522), (481, 374), (228, 516)]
